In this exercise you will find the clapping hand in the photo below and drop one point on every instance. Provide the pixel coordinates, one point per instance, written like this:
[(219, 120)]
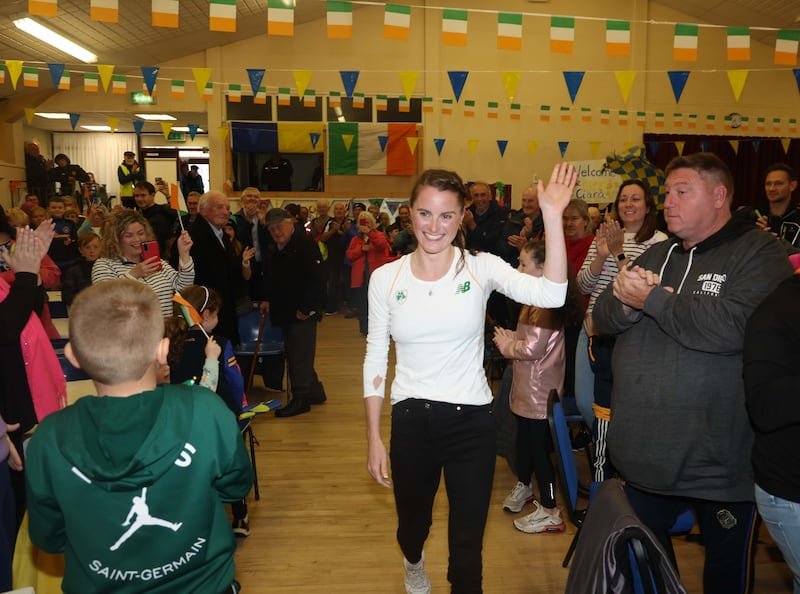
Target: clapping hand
[(28, 250)]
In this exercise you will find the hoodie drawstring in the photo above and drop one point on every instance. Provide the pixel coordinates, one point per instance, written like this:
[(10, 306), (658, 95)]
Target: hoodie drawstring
[(688, 266)]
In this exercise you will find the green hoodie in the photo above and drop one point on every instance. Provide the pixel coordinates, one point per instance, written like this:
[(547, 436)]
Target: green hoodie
[(131, 491)]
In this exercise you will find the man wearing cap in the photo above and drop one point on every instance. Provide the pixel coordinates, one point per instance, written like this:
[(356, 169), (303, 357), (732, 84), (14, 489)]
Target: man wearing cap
[(192, 182), (251, 232), (129, 173), (293, 287)]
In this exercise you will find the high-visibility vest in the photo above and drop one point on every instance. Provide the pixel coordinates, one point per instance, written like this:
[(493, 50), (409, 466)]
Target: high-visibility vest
[(126, 190)]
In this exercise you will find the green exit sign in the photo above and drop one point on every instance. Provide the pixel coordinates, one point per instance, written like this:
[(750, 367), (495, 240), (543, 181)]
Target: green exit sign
[(142, 98)]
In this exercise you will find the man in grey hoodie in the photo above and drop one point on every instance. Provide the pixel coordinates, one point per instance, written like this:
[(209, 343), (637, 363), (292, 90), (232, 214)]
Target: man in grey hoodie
[(679, 433)]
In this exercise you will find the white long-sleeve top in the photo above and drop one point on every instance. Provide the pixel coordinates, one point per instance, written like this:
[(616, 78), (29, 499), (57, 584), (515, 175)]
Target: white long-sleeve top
[(437, 326)]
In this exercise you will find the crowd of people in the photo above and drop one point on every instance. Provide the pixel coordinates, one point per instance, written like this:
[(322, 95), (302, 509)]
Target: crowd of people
[(642, 326)]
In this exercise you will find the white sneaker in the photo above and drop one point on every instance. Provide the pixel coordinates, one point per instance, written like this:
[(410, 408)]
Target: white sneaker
[(540, 521), (416, 581), (520, 496)]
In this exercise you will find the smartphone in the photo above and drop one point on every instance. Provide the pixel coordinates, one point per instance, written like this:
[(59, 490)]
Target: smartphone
[(150, 249), (159, 180)]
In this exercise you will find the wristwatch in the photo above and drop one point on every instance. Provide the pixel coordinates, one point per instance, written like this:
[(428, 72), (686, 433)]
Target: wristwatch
[(621, 256)]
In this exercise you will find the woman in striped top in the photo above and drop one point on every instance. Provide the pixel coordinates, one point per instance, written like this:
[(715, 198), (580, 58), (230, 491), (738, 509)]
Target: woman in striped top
[(618, 243), (122, 258)]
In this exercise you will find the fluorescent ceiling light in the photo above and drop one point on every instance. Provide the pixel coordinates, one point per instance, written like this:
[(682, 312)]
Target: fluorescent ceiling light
[(53, 116), (58, 41), (184, 129), (156, 117), (97, 128)]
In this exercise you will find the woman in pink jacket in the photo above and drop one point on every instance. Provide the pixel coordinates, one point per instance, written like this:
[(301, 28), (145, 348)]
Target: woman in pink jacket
[(368, 250), (538, 354)]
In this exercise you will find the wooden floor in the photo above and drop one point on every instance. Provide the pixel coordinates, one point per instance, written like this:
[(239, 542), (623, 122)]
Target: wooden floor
[(323, 526)]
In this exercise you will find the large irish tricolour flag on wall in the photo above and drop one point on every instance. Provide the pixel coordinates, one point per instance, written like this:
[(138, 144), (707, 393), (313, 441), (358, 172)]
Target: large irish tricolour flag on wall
[(371, 149)]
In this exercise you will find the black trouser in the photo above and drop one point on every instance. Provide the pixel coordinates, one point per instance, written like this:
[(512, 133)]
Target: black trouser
[(729, 529), (336, 282), (533, 458), (361, 299), (8, 526), (427, 438), (300, 340), (601, 348)]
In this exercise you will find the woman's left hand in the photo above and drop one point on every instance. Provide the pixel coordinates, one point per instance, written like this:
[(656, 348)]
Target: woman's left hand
[(554, 199), (248, 254), (184, 245)]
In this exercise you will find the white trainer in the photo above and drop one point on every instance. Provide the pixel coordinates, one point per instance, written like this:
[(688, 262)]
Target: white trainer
[(520, 496), (540, 521), (416, 580)]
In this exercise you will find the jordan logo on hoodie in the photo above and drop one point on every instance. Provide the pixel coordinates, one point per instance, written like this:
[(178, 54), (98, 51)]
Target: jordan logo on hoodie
[(141, 511)]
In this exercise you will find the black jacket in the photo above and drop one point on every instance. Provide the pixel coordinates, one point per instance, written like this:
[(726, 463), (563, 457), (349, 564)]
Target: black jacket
[(293, 279), (75, 279), (220, 268), (162, 219), (488, 229)]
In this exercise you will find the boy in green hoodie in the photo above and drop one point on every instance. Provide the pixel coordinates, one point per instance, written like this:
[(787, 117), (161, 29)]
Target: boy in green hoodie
[(130, 485)]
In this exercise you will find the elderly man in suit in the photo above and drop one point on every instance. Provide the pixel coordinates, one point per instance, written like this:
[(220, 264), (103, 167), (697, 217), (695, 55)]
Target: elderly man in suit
[(216, 263)]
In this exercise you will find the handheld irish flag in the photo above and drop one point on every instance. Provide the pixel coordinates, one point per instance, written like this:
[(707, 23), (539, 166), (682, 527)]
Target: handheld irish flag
[(189, 313), (177, 202)]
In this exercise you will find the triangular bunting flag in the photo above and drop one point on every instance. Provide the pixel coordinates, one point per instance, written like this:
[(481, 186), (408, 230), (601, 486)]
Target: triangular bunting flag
[(653, 147), (301, 80), (193, 128), (472, 145), (383, 139), (573, 80), (439, 144), (29, 113), (408, 79), (166, 128), (737, 78), (501, 146), (704, 146), (562, 147), (347, 139), (510, 83), (785, 142), (113, 124), (14, 70), (201, 76), (458, 79), (349, 81), (255, 75), (314, 138), (56, 72), (678, 80), (150, 74), (412, 143), (137, 126), (223, 132), (625, 80), (106, 71), (734, 145), (679, 144), (756, 144), (73, 119)]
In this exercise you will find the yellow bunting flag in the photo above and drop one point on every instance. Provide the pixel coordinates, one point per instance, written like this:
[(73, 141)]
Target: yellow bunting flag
[(408, 78), (412, 143), (29, 113), (104, 11), (223, 131), (533, 146), (301, 80), (165, 13), (737, 78), (734, 145), (472, 145), (625, 80), (113, 124), (201, 76), (166, 128), (347, 139), (510, 83), (679, 144), (106, 71), (48, 8), (14, 70), (785, 142)]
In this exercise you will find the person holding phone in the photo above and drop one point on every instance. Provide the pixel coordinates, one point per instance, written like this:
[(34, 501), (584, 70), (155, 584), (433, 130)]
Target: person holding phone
[(130, 250)]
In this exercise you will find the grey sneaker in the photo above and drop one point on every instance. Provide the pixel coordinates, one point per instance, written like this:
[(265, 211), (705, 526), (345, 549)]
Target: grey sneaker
[(415, 580), (540, 521), (520, 496)]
